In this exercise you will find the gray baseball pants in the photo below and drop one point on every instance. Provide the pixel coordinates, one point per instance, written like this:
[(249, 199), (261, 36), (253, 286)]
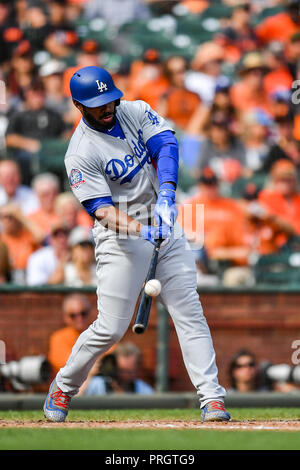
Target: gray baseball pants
[(122, 265)]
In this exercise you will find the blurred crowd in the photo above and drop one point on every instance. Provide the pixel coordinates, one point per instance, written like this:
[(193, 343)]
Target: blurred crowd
[(234, 103)]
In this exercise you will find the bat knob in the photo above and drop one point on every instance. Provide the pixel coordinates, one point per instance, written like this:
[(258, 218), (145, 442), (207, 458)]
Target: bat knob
[(138, 328)]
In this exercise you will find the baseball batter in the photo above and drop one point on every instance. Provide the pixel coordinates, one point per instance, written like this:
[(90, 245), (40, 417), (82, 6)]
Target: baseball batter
[(122, 164)]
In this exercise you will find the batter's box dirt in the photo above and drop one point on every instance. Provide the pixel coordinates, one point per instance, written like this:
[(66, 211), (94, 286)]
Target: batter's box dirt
[(284, 425)]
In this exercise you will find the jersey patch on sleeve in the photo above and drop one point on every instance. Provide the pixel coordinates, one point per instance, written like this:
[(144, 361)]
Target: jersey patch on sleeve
[(152, 117), (75, 178)]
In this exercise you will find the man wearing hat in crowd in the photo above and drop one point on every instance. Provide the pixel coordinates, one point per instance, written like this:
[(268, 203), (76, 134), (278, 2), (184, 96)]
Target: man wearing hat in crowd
[(51, 73), (206, 69), (249, 92)]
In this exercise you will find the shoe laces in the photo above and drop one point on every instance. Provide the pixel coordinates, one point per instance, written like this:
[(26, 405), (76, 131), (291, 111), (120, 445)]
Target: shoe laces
[(60, 399)]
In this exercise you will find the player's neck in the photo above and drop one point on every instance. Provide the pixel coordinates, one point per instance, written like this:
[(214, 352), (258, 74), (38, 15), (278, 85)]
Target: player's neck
[(96, 127)]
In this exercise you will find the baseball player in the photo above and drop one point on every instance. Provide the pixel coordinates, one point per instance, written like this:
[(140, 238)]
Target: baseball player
[(122, 164)]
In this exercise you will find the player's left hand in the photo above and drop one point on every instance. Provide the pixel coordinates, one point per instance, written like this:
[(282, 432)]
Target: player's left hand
[(151, 233), (165, 211)]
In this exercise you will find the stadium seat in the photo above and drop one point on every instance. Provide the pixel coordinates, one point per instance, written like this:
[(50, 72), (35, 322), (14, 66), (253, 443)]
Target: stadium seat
[(98, 31), (240, 184), (217, 11), (51, 158), (271, 11), (279, 268)]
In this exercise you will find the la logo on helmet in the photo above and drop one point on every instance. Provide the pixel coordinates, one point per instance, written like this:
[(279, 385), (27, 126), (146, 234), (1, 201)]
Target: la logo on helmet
[(101, 86)]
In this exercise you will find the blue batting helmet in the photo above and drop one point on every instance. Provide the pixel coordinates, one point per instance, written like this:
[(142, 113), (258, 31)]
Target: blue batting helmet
[(93, 86)]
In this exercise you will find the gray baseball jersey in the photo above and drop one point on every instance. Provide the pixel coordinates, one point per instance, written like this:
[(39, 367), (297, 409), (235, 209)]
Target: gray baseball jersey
[(100, 165)]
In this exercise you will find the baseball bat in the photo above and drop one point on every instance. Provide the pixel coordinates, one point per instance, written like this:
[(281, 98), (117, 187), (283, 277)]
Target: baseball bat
[(144, 305)]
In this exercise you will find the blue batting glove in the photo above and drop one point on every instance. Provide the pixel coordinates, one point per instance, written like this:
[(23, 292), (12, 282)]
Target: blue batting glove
[(152, 233), (165, 211)]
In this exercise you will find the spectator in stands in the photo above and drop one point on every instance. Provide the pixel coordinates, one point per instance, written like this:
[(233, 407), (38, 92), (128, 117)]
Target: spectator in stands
[(281, 26), (247, 376), (57, 10), (62, 38), (70, 212), (52, 75), (21, 238), (215, 243), (46, 265), (118, 373), (20, 8), (46, 187), (221, 105), (206, 69), (21, 73), (286, 146), (239, 37), (282, 198), (207, 219), (143, 70), (260, 230), (36, 25), (244, 373), (147, 81), (77, 315), (255, 137), (80, 270), (221, 150), (74, 9), (178, 104), (5, 266), (279, 76), (127, 11), (10, 31), (281, 108), (12, 191), (249, 93), (27, 129), (293, 55)]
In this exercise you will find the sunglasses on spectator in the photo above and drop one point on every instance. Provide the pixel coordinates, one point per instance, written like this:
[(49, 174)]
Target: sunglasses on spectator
[(247, 364), (82, 313), (7, 216), (86, 244), (60, 232), (177, 71)]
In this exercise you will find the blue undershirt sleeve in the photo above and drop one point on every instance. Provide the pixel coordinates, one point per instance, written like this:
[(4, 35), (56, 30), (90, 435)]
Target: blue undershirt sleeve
[(163, 148), (91, 205)]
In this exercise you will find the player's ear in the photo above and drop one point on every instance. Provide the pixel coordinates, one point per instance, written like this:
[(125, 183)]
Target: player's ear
[(78, 105)]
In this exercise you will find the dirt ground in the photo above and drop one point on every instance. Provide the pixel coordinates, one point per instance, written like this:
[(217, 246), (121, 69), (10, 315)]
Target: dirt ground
[(284, 425)]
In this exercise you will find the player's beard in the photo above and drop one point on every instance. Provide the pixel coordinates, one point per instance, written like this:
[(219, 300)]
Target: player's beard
[(96, 123)]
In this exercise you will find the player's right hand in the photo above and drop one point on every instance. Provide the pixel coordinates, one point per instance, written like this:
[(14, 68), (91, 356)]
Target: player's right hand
[(151, 233)]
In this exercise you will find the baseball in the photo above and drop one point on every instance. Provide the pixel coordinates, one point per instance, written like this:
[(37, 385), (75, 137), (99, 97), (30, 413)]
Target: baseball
[(153, 287)]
